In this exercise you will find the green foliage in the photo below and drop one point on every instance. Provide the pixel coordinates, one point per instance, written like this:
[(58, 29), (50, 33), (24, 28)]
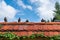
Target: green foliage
[(57, 11), (57, 6), (10, 36), (33, 36), (23, 37), (40, 35), (56, 37)]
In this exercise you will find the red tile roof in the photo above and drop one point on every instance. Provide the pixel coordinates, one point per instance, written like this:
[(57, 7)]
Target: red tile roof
[(28, 28)]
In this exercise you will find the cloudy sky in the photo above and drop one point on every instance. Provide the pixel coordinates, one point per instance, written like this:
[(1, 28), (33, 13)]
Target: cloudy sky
[(33, 10)]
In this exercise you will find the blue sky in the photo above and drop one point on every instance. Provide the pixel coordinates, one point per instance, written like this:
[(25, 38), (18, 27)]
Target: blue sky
[(33, 10)]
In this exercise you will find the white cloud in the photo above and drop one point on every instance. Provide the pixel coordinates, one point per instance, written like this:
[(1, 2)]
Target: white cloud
[(46, 9), (7, 10), (29, 7), (23, 20), (20, 3), (33, 1)]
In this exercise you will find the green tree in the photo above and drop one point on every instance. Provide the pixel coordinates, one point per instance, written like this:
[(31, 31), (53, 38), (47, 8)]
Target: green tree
[(57, 11)]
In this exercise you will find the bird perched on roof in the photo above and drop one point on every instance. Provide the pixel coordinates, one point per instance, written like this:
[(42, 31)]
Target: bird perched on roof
[(27, 21), (5, 19), (19, 20)]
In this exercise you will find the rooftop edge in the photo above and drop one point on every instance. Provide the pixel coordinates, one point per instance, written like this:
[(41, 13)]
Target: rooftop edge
[(30, 23)]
